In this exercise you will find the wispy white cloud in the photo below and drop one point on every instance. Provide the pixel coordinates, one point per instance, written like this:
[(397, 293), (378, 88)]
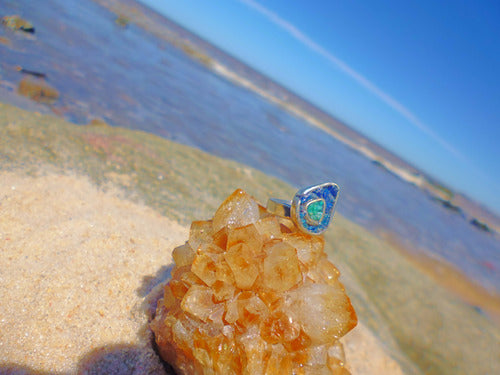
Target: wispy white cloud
[(356, 76)]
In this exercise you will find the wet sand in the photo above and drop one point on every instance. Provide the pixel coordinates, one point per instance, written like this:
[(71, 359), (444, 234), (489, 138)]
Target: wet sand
[(449, 277)]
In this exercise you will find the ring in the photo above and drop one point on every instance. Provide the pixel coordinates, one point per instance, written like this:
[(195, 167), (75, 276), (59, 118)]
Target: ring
[(311, 209)]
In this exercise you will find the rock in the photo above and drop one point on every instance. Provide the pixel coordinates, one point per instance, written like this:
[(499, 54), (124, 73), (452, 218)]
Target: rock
[(122, 21), (31, 72), (98, 122), (481, 225), (38, 90), (251, 294), (449, 206), (15, 22)]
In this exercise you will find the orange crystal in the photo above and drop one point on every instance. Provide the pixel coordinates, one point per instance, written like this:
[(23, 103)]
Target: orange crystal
[(251, 294)]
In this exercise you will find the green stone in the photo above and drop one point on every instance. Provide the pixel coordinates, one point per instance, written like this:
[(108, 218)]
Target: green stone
[(315, 210)]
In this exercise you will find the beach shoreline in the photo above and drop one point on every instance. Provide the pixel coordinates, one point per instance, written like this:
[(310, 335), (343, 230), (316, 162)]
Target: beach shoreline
[(409, 313), (449, 277), (271, 124), (145, 18)]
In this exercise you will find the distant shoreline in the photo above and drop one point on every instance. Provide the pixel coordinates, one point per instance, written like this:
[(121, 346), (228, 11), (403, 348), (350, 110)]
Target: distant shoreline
[(438, 191), (474, 213), (450, 277)]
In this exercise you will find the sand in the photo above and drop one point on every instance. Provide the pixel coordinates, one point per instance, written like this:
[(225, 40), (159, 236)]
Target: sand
[(76, 267)]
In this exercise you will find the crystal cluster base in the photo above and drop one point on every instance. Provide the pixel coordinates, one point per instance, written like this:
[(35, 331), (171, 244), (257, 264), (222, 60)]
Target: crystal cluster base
[(251, 294)]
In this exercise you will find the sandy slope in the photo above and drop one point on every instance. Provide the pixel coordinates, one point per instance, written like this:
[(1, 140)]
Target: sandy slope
[(72, 266)]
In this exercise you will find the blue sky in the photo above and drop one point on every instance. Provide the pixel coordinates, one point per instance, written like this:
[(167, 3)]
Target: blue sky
[(422, 78)]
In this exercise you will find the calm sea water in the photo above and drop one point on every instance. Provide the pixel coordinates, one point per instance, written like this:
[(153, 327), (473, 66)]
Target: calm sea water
[(129, 78)]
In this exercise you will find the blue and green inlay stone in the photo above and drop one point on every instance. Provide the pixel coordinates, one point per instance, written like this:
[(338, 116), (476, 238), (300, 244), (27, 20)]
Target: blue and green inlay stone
[(315, 210), (313, 207)]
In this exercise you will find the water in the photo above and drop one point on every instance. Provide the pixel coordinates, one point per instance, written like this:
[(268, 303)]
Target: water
[(128, 77)]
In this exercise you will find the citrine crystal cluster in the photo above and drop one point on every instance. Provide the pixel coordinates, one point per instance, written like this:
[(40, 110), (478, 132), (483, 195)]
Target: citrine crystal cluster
[(251, 294)]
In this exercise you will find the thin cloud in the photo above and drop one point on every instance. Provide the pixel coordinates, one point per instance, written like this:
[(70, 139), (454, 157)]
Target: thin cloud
[(359, 78)]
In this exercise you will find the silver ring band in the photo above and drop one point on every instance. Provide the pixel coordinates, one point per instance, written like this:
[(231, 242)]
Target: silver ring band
[(280, 207)]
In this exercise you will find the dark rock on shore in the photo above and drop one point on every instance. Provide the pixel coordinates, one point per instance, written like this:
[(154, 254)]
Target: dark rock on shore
[(449, 206), (31, 72), (122, 21), (38, 90), (480, 225), (15, 22)]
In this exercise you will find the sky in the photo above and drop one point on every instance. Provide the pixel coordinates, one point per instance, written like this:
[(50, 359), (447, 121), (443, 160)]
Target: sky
[(421, 78)]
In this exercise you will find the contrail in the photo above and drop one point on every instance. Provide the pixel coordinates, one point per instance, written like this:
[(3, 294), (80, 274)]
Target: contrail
[(359, 78)]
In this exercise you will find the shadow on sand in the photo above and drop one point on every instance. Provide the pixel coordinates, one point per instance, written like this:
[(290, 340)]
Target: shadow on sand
[(119, 359)]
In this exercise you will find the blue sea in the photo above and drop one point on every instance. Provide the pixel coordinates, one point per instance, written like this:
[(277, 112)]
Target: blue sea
[(128, 77)]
